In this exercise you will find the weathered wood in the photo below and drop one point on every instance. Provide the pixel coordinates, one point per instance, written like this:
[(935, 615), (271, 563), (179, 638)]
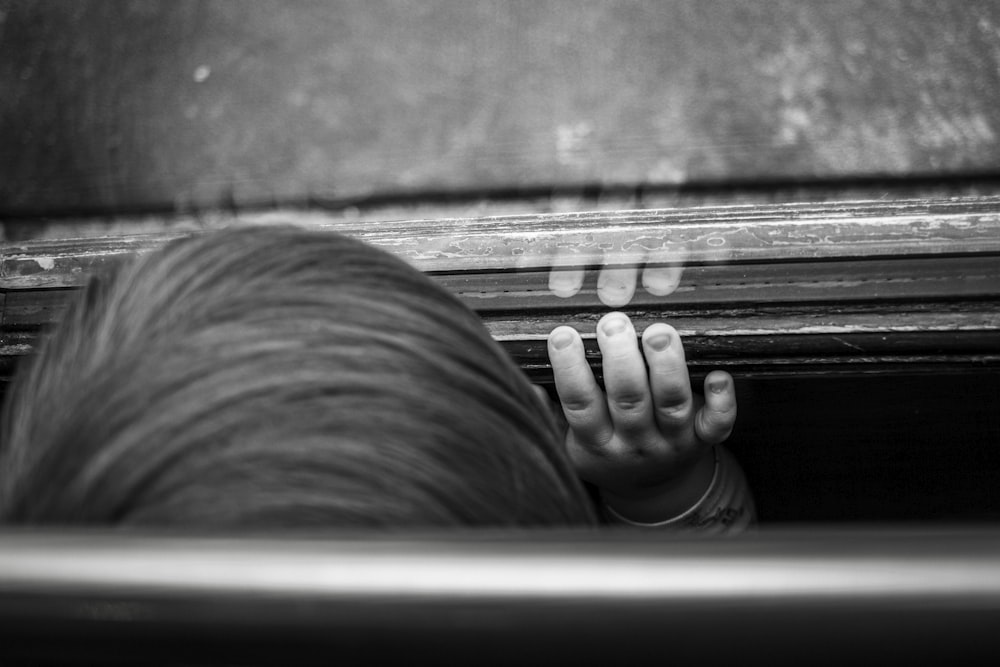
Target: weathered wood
[(735, 295), (855, 287), (31, 309), (764, 284), (68, 262), (801, 319), (700, 236), (709, 235)]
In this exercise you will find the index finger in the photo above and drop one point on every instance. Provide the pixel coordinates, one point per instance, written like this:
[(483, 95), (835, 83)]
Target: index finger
[(581, 397)]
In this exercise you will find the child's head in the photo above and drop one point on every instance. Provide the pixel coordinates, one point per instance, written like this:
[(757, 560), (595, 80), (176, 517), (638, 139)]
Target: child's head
[(277, 377)]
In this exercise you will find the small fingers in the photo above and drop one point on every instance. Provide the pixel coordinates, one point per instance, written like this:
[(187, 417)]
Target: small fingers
[(668, 377), (582, 400), (625, 378), (716, 419)]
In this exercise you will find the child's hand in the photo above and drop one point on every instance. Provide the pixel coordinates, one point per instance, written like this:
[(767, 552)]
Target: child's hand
[(647, 444)]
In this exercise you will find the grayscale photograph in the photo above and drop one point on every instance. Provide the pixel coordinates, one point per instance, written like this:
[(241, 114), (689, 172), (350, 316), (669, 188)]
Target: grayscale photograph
[(499, 332)]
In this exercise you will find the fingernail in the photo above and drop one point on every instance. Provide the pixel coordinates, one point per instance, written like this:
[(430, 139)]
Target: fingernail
[(717, 386), (659, 342), (562, 340), (614, 326)]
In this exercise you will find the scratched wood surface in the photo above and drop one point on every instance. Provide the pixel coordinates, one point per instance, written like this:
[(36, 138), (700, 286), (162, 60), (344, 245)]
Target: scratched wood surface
[(702, 236), (110, 107), (762, 291)]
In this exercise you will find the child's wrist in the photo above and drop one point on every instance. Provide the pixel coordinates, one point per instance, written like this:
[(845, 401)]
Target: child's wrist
[(667, 501)]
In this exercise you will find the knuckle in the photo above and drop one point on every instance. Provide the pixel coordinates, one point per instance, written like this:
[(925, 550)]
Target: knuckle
[(717, 421), (576, 404), (721, 415), (591, 447), (640, 439), (629, 402), (674, 409)]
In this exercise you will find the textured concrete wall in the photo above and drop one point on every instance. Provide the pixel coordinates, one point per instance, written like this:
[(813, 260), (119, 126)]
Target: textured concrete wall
[(110, 105)]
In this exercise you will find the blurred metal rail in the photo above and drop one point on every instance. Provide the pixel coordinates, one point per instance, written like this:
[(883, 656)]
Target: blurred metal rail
[(490, 598)]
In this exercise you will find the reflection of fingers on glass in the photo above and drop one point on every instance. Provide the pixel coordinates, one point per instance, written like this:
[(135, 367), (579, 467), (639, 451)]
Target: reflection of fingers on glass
[(664, 268), (565, 283), (566, 273), (662, 280), (616, 285)]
